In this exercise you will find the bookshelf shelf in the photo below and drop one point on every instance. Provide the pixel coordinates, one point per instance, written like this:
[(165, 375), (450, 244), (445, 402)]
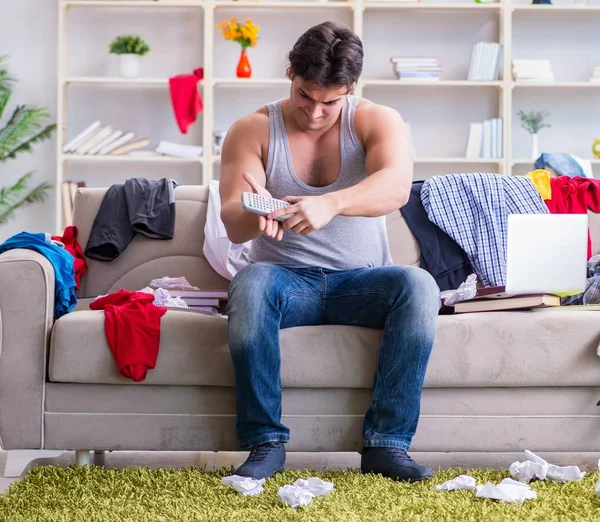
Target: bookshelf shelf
[(250, 81), (440, 83), (285, 81), (364, 83), (133, 3), (432, 6), (116, 79), (284, 5), (129, 159), (559, 8), (217, 159), (555, 85), (524, 161), (459, 160)]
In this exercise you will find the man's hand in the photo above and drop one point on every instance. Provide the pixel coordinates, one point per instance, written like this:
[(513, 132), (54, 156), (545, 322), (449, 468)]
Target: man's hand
[(310, 213), (267, 225)]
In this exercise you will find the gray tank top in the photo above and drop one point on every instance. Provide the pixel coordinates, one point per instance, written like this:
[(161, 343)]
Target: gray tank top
[(346, 242)]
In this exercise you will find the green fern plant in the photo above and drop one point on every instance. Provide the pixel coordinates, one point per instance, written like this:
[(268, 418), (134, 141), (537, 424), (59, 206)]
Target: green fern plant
[(129, 45), (24, 128)]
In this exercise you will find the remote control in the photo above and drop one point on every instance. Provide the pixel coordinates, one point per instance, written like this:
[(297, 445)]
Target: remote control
[(262, 205)]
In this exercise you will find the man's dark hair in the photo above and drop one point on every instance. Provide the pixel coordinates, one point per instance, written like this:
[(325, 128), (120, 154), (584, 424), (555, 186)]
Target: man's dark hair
[(329, 54)]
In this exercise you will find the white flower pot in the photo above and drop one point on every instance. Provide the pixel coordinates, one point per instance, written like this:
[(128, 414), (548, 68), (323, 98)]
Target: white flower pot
[(535, 152), (129, 65)]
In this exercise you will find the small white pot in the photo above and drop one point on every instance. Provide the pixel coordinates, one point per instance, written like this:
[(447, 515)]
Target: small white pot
[(129, 65), (535, 151)]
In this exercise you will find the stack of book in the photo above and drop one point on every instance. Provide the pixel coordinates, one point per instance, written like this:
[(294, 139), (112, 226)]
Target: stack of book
[(596, 75), (178, 150), (532, 71), (485, 139), (202, 300), (486, 59), (494, 299), (102, 140), (421, 69)]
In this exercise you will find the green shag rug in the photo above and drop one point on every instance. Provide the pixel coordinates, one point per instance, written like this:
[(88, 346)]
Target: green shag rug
[(74, 493)]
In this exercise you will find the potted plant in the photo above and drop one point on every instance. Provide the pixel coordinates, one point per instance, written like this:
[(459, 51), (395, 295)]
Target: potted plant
[(533, 122), (246, 35), (23, 129), (129, 48)]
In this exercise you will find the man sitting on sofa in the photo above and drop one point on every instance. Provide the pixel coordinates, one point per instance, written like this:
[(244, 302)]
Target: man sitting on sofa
[(344, 163)]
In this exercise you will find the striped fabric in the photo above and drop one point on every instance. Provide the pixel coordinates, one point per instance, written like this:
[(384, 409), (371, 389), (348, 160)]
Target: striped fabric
[(473, 210), (591, 296)]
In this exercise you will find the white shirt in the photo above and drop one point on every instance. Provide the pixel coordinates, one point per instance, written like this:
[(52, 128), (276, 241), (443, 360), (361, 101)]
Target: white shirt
[(225, 257)]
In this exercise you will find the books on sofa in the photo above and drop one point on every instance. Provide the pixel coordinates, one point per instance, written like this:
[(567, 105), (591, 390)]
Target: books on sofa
[(496, 299), (190, 294), (209, 310), (194, 292)]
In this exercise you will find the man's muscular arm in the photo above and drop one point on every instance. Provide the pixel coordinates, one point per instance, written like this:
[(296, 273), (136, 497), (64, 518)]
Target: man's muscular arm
[(242, 171), (389, 166)]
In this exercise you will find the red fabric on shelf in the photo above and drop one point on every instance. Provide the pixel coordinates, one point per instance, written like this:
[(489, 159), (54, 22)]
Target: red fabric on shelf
[(132, 327), (185, 98), (69, 239), (574, 196)]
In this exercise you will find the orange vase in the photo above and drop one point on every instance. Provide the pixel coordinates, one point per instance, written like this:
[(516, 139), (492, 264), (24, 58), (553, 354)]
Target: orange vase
[(243, 67)]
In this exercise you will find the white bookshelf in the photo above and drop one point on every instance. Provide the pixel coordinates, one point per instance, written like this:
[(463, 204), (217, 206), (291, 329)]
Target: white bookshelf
[(438, 112)]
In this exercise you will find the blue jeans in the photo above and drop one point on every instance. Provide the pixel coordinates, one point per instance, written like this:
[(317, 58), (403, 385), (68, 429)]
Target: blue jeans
[(402, 300)]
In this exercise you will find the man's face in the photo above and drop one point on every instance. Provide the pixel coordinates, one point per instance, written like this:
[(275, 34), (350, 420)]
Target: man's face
[(315, 107)]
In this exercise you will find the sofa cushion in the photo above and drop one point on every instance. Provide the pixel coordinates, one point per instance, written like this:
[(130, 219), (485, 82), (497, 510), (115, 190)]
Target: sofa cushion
[(145, 259), (530, 348)]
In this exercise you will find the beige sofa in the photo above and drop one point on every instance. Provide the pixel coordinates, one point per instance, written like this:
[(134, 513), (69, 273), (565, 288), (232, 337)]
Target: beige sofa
[(496, 382)]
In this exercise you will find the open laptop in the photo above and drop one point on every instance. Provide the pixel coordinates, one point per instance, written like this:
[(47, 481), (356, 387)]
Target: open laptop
[(546, 254)]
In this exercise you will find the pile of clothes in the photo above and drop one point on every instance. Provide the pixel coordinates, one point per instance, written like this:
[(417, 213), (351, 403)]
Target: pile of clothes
[(65, 255), (460, 220)]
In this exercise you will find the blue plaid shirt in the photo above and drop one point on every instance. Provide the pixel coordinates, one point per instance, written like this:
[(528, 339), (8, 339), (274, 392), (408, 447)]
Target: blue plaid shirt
[(473, 210)]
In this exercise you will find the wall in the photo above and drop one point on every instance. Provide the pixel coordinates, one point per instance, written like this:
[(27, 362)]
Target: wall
[(28, 37)]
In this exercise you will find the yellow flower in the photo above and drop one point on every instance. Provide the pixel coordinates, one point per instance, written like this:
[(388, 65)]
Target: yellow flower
[(246, 34)]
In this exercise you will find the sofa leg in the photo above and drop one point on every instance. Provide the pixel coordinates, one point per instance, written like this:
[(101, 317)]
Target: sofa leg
[(99, 458), (18, 460), (82, 457)]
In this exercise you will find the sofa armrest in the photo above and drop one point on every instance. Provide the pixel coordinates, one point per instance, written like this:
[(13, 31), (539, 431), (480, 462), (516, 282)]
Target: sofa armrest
[(26, 308)]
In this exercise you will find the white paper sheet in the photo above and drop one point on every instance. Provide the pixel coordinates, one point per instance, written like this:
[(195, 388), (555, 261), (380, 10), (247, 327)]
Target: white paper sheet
[(460, 482), (318, 487), (244, 485), (536, 467), (295, 496), (508, 490)]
